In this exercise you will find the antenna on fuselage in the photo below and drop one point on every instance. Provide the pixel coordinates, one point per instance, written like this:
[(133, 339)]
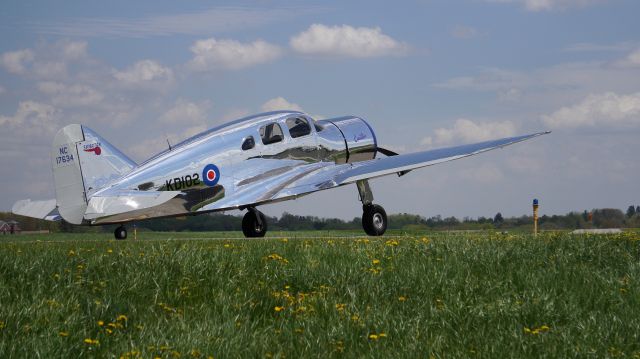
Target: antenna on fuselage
[(169, 143)]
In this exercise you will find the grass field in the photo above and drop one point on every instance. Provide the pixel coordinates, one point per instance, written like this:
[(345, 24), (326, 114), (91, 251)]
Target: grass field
[(435, 295)]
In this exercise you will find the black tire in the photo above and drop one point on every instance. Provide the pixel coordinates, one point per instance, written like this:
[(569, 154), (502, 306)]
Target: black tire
[(120, 233), (250, 226), (374, 219)]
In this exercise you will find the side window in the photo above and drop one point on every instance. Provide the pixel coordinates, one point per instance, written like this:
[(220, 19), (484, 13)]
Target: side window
[(298, 127), (271, 133), (248, 143)]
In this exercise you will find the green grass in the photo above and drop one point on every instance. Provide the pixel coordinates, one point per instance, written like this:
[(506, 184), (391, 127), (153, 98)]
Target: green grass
[(441, 295)]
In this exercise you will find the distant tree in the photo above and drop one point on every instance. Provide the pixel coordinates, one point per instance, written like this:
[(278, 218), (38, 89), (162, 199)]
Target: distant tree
[(638, 209), (585, 216), (498, 218), (631, 211)]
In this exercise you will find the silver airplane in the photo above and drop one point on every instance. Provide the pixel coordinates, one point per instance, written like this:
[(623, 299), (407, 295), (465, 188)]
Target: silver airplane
[(265, 158)]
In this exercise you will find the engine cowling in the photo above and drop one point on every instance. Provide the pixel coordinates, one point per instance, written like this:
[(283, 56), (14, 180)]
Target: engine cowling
[(346, 140)]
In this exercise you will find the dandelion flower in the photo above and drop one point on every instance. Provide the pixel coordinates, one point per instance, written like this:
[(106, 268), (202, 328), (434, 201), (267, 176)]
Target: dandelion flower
[(91, 341), (402, 298), (375, 261), (373, 337), (122, 317), (278, 309), (100, 323), (63, 334)]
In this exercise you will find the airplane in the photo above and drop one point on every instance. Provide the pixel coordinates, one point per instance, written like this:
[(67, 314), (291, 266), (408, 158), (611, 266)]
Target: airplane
[(256, 160)]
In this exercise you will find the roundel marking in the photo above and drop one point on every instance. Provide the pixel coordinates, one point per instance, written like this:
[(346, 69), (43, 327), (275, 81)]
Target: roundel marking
[(211, 175)]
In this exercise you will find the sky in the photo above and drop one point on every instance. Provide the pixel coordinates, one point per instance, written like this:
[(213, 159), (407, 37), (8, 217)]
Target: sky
[(425, 74)]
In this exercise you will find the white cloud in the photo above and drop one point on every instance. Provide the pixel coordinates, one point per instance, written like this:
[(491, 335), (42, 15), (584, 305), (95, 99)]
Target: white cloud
[(604, 110), (549, 5), (15, 61), (32, 118), (73, 50), (346, 41), (467, 131), (212, 54), (70, 95), (631, 60), (144, 72), (279, 103), (185, 112), (464, 32)]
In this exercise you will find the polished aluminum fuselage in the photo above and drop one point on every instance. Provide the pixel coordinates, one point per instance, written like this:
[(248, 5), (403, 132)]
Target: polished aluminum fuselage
[(245, 176)]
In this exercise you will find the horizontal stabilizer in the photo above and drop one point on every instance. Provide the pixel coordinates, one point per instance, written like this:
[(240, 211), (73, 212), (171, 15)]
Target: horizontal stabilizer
[(37, 209)]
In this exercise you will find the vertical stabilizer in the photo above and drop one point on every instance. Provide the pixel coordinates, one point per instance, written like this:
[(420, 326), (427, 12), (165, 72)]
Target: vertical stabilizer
[(83, 162), (67, 177)]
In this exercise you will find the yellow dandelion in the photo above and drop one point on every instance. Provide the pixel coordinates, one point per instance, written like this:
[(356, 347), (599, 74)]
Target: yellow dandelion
[(382, 335), (122, 317), (373, 336), (91, 341), (100, 323), (109, 331), (63, 334), (278, 309), (109, 251), (375, 261), (402, 298), (340, 307)]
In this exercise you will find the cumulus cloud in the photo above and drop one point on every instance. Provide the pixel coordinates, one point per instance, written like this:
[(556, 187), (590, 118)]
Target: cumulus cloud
[(144, 72), (212, 54), (467, 131), (604, 110), (73, 50), (280, 103), (549, 5), (15, 61), (70, 95), (346, 41), (185, 112), (32, 117)]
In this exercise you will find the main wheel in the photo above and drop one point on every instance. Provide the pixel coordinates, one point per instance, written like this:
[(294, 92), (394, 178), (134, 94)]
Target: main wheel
[(120, 233), (374, 219), (251, 227)]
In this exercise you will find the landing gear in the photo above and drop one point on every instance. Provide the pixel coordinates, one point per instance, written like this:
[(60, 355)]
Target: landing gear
[(120, 233), (374, 217), (254, 223)]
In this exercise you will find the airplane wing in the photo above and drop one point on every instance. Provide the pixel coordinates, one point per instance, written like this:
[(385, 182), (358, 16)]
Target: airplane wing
[(37, 209), (400, 163), (300, 180)]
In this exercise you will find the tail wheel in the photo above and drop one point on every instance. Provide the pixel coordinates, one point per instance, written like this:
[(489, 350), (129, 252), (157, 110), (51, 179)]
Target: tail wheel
[(254, 224), (120, 233), (374, 219)]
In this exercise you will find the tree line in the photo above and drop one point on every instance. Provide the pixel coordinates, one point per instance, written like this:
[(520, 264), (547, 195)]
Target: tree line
[(597, 218)]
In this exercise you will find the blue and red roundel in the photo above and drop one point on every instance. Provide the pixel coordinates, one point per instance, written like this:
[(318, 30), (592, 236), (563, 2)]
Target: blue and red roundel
[(210, 175)]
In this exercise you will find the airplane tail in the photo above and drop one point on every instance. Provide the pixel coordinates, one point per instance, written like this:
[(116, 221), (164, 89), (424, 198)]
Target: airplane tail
[(83, 162)]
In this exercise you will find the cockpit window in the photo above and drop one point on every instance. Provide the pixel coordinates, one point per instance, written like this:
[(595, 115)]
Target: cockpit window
[(298, 127), (248, 143), (271, 133)]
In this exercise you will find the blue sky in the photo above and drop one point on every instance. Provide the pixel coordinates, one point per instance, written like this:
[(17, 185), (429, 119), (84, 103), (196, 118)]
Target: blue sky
[(425, 74)]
